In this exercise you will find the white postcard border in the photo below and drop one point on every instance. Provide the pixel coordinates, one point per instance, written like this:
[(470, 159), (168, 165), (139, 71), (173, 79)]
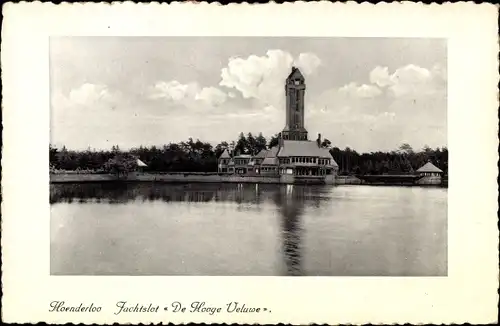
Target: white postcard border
[(468, 294)]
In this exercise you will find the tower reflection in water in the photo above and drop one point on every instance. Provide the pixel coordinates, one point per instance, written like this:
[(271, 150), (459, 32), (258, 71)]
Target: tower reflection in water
[(290, 201), (290, 204)]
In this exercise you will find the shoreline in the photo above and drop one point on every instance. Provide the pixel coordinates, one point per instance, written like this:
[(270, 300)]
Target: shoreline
[(176, 178)]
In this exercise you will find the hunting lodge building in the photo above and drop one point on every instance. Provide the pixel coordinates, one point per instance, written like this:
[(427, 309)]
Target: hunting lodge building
[(295, 157)]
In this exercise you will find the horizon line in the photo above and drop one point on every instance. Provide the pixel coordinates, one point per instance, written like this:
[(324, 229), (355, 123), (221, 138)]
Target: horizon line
[(213, 146)]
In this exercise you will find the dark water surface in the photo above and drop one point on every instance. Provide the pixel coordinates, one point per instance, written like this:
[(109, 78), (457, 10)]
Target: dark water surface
[(247, 229)]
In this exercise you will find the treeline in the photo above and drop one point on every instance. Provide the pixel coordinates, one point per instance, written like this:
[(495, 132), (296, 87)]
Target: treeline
[(403, 160), (198, 156)]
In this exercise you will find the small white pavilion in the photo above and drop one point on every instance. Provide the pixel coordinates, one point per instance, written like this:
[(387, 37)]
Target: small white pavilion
[(430, 170)]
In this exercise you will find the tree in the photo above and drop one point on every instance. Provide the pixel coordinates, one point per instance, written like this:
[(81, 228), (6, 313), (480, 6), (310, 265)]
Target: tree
[(115, 149), (326, 143), (121, 165), (220, 148), (274, 141), (198, 156), (66, 160), (406, 148), (241, 145), (52, 156), (252, 144), (260, 143)]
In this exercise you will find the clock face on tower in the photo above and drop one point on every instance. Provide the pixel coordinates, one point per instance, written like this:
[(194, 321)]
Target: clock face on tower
[(297, 82)]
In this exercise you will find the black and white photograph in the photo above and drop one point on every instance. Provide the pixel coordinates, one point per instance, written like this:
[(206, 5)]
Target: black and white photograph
[(296, 163), (248, 156)]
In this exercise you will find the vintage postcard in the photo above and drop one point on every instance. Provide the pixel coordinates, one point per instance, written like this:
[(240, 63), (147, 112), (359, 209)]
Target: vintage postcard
[(283, 163)]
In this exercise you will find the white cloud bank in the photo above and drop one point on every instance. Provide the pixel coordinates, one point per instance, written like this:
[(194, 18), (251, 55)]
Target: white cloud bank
[(396, 107), (173, 90), (262, 77), (212, 96), (90, 94), (363, 91), (409, 80), (255, 77)]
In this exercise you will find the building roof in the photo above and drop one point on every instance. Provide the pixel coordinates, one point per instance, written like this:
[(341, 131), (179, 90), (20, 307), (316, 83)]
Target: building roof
[(261, 154), (303, 148), (429, 167), (225, 154), (243, 156), (273, 152), (270, 161), (295, 74), (141, 163)]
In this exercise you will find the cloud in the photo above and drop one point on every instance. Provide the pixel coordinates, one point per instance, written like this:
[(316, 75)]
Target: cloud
[(307, 63), (410, 80), (212, 96), (363, 91), (262, 77), (88, 95), (173, 90), (86, 111), (392, 108), (255, 77), (380, 76)]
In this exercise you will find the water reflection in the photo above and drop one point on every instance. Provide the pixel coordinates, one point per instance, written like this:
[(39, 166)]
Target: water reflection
[(246, 229), (288, 199), (291, 209), (122, 192)]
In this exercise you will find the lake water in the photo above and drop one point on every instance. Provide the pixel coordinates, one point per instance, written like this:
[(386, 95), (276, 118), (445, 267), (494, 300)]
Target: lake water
[(247, 229)]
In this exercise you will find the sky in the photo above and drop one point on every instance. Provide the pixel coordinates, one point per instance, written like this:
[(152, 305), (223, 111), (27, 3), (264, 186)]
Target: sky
[(368, 94)]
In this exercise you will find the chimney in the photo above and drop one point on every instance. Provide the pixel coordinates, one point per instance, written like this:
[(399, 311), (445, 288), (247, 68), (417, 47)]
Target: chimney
[(280, 140), (318, 141)]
